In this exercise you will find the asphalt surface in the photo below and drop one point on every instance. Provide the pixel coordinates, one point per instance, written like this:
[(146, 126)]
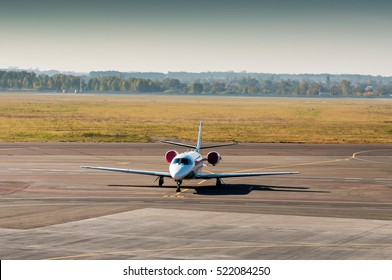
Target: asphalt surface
[(339, 207)]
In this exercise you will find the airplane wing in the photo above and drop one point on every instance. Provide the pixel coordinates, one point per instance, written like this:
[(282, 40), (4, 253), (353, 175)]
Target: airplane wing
[(142, 172), (232, 175)]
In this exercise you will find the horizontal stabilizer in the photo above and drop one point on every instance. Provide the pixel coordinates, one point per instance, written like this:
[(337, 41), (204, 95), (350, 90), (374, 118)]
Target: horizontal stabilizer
[(179, 144), (218, 145), (201, 148)]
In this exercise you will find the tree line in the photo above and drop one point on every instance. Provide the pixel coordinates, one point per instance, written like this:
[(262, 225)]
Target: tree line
[(24, 80)]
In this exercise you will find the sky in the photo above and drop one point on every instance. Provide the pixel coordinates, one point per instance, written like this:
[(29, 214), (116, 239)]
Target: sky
[(275, 36)]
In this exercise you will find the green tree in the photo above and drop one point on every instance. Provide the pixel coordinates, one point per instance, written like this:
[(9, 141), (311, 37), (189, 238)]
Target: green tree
[(268, 86), (303, 87), (103, 85), (328, 81), (359, 91), (345, 87), (314, 90), (196, 88), (284, 87)]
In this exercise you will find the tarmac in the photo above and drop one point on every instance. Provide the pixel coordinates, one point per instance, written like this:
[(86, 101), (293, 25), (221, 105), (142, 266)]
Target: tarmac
[(339, 207)]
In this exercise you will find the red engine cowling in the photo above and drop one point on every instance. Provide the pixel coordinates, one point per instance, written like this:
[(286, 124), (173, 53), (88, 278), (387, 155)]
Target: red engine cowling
[(170, 155), (213, 158)]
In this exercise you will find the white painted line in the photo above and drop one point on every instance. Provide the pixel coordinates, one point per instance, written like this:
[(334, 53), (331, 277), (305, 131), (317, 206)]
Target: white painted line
[(383, 179)]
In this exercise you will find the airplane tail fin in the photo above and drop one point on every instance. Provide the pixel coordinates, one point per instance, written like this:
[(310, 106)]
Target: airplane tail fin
[(199, 145), (199, 138)]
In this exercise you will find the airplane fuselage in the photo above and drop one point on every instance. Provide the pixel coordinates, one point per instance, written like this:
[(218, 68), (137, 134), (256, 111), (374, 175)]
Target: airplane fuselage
[(186, 165), (189, 165)]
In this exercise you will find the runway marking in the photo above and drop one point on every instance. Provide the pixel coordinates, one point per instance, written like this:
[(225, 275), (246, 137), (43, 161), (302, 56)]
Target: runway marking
[(291, 165), (203, 181), (90, 199), (25, 148), (89, 194), (383, 179), (177, 195), (288, 245), (353, 156)]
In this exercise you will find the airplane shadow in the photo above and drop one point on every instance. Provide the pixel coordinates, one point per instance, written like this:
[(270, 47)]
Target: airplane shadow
[(232, 189), (243, 189)]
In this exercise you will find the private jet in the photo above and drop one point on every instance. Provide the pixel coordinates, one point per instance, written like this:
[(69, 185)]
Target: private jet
[(188, 165)]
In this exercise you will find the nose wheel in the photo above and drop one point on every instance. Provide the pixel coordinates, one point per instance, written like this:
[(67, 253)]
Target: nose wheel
[(179, 186)]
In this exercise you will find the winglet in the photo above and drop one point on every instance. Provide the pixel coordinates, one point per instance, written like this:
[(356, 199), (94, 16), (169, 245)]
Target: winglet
[(199, 138)]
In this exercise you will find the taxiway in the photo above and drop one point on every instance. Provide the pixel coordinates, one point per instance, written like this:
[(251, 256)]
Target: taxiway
[(339, 207)]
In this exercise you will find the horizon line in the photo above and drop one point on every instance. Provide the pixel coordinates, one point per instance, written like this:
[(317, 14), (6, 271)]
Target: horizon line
[(16, 68)]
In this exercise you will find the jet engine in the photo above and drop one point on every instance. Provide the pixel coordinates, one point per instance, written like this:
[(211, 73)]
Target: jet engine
[(213, 158), (170, 155)]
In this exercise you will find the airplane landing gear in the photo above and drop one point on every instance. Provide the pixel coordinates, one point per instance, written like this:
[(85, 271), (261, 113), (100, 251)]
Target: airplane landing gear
[(218, 182), (179, 186), (161, 181)]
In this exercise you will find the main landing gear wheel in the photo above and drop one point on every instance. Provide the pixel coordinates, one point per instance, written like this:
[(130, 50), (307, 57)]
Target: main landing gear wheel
[(178, 186), (161, 181), (218, 182)]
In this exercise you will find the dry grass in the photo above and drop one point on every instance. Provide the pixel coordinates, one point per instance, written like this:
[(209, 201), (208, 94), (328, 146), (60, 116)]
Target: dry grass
[(145, 118)]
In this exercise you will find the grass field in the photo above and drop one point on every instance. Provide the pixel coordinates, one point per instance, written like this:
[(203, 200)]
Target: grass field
[(148, 118)]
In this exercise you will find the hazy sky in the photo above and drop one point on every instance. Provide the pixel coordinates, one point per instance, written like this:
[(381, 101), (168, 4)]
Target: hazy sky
[(280, 36)]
